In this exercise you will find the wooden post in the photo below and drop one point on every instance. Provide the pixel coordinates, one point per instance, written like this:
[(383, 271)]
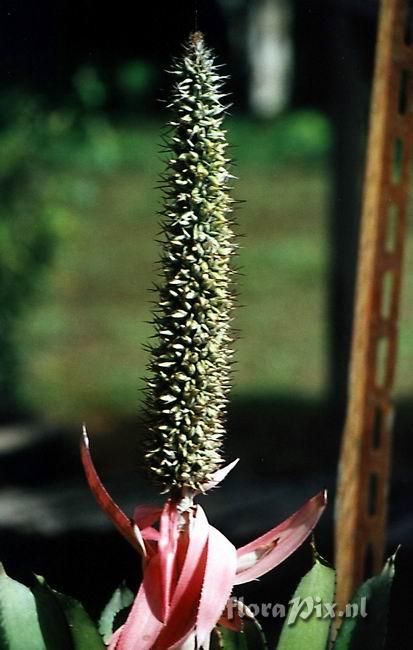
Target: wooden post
[(365, 456)]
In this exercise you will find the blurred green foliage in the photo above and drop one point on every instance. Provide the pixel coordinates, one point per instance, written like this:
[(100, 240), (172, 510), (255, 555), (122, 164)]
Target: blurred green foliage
[(131, 85), (80, 188), (301, 139), (27, 232), (91, 90), (135, 79)]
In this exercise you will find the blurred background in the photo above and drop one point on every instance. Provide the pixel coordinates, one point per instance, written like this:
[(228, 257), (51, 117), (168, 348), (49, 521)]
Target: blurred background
[(82, 104)]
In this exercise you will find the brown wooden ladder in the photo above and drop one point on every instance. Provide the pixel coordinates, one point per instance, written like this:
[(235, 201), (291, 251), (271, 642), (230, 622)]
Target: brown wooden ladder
[(364, 468)]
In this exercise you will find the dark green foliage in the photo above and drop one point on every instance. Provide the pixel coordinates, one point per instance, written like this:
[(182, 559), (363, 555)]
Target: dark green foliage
[(64, 622), (85, 635), (369, 631), (55, 630), (190, 364)]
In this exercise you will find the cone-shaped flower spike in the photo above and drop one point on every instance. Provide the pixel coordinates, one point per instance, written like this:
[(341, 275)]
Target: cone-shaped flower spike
[(189, 567), (190, 364)]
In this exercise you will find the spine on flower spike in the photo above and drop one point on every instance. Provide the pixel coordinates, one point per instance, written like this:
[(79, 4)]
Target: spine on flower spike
[(190, 363)]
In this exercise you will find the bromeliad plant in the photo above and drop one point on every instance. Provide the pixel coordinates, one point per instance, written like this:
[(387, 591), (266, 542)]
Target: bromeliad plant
[(189, 567)]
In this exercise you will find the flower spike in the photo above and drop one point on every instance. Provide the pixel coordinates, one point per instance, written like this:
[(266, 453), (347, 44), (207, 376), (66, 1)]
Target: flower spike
[(190, 363), (189, 567)]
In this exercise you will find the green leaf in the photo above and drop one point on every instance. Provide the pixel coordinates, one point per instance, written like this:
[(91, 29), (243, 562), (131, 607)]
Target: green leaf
[(121, 598), (371, 601), (309, 617), (52, 620), (19, 623), (70, 616), (85, 635)]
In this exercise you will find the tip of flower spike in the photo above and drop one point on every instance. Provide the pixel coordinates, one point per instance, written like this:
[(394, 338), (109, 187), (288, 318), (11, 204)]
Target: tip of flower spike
[(197, 38)]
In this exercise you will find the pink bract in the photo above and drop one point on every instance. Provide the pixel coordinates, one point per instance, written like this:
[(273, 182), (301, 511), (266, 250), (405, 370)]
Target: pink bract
[(190, 567)]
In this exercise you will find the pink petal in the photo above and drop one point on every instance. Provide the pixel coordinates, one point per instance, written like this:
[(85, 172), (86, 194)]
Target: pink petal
[(219, 578), (272, 548), (234, 623), (198, 537), (144, 517), (141, 628), (109, 507), (167, 546), (113, 645), (154, 589), (219, 476), (158, 577), (191, 644), (187, 594), (188, 644), (150, 534)]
